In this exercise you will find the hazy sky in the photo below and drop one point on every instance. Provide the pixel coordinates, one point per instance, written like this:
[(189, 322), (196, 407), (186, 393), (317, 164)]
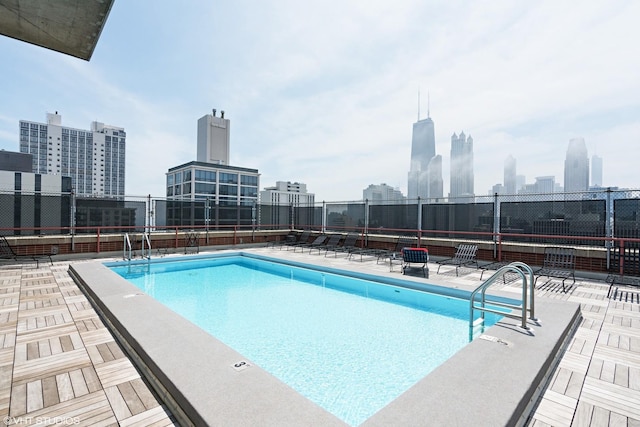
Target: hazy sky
[(325, 92)]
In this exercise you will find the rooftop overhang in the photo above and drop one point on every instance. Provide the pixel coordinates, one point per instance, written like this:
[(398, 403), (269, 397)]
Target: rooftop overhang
[(68, 26)]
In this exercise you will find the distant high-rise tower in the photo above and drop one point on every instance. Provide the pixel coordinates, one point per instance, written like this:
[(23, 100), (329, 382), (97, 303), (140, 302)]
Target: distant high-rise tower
[(435, 178), (510, 175), (576, 166), (423, 149), (596, 171), (213, 139), (461, 166), (94, 159)]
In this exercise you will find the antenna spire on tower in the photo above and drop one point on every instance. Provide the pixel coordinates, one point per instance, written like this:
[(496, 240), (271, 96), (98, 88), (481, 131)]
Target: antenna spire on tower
[(418, 104), (428, 99)]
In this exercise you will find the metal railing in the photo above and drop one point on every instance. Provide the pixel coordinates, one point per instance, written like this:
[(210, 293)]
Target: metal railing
[(526, 305)]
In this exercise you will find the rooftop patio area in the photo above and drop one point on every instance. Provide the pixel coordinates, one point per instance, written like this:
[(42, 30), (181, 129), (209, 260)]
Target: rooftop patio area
[(59, 361)]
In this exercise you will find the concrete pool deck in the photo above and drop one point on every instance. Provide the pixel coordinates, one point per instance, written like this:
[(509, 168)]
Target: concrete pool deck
[(597, 381)]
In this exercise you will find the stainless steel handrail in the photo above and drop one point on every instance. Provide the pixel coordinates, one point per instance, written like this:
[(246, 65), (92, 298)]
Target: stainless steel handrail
[(527, 303), (145, 238), (126, 246)]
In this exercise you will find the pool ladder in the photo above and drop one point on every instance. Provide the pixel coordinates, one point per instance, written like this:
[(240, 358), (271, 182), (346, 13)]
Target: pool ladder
[(127, 252), (526, 305)]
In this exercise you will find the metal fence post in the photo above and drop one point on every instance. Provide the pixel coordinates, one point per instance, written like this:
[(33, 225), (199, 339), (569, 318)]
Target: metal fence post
[(149, 218), (419, 225), (323, 219), (496, 222), (73, 220), (608, 229), (366, 217)]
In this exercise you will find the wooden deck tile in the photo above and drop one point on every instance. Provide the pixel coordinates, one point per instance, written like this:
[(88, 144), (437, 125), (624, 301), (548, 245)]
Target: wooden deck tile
[(611, 397), (96, 337), (115, 372), (51, 365), (554, 411), (144, 393), (78, 383), (118, 404), (34, 396), (157, 416), (50, 392), (130, 396)]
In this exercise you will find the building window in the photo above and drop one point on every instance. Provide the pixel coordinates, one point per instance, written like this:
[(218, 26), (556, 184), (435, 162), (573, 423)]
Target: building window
[(249, 191), (228, 190), (204, 188), (205, 176), (249, 180), (229, 178)]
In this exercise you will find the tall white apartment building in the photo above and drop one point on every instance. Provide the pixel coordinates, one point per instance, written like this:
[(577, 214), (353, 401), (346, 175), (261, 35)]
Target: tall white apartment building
[(94, 159), (214, 136), (383, 194), (287, 193)]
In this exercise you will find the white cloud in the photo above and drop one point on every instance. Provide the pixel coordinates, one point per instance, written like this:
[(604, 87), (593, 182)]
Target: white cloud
[(325, 92)]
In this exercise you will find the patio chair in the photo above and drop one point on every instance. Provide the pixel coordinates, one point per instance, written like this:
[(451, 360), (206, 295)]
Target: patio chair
[(318, 241), (302, 239), (624, 270), (8, 253), (289, 238), (192, 243), (415, 258), (332, 241), (496, 265), (560, 263), (396, 253), (465, 255), (348, 246)]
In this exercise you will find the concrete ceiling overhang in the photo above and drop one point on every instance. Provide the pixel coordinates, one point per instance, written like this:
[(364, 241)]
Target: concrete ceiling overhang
[(68, 26)]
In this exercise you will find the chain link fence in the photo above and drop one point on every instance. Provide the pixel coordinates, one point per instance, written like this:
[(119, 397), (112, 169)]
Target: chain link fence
[(574, 217)]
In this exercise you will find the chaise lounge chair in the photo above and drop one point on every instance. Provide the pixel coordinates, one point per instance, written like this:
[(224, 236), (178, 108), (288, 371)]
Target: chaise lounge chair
[(396, 253), (331, 242), (289, 238), (302, 240), (318, 241), (8, 253), (348, 246), (465, 255)]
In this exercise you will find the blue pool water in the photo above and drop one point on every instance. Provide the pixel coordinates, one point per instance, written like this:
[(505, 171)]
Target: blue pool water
[(349, 345)]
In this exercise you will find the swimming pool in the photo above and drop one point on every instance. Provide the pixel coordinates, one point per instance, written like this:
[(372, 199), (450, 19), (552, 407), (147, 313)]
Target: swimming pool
[(348, 344)]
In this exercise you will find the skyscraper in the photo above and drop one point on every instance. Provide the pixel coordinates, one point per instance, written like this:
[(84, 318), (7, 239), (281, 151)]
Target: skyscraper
[(214, 135), (461, 173), (510, 175), (596, 171), (423, 149), (94, 159), (576, 166), (435, 177)]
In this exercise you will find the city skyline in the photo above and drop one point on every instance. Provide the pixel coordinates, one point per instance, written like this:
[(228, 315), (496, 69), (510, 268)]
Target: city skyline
[(523, 79)]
